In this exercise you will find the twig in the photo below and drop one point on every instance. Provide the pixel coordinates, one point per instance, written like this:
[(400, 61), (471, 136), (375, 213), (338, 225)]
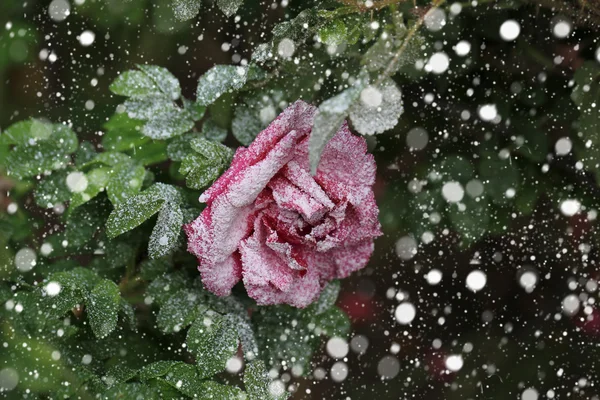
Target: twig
[(377, 5), (389, 70)]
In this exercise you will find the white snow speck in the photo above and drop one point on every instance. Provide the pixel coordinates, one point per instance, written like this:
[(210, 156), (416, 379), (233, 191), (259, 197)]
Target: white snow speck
[(87, 38), (510, 30), (337, 347), (563, 146), (59, 10), (438, 63), (52, 288), (570, 207), (462, 48), (570, 305), (25, 259), (406, 247), (77, 182), (476, 280), (529, 394), (286, 48), (488, 112), (434, 277), (453, 192), (405, 313), (454, 362)]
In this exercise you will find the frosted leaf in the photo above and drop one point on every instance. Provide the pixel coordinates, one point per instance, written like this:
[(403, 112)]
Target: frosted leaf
[(179, 311), (138, 208), (327, 122), (229, 7), (148, 107), (213, 341), (219, 80), (380, 55), (262, 52), (168, 124), (368, 119), (167, 83), (135, 84), (245, 334), (126, 180), (255, 114), (166, 231), (38, 147), (259, 385), (103, 304), (186, 9), (214, 132)]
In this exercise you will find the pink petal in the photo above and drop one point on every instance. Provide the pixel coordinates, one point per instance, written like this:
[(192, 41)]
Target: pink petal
[(352, 258)]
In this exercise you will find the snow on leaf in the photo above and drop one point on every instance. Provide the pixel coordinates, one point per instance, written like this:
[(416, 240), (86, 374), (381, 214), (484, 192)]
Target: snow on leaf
[(165, 80), (103, 303), (52, 190), (146, 108), (214, 132), (132, 212), (328, 297), (378, 109), (328, 120), (135, 84), (258, 384), (186, 9), (255, 114), (211, 390), (168, 123), (229, 7), (219, 80), (165, 234), (213, 341), (126, 180), (180, 310), (36, 151)]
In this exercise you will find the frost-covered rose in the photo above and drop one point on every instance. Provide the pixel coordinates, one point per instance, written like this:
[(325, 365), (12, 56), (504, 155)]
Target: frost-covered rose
[(282, 231)]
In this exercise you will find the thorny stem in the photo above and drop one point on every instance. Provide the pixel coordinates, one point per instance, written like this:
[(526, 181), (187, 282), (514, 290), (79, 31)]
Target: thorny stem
[(389, 70)]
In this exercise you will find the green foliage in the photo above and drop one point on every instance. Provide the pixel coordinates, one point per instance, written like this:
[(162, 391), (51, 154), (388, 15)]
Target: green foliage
[(37, 147), (212, 340)]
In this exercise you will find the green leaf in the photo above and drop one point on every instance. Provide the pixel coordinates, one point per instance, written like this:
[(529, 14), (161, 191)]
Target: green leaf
[(151, 269), (213, 341), (210, 390), (165, 234), (258, 384), (328, 297), (136, 84), (168, 123), (103, 304), (24, 131), (123, 133), (133, 212), (52, 190), (254, 114), (186, 9), (328, 120), (180, 310), (208, 161), (229, 7), (125, 181), (380, 115), (213, 132), (83, 222), (41, 151), (167, 83), (498, 176), (470, 219), (334, 33), (162, 288), (98, 179), (219, 80), (333, 322)]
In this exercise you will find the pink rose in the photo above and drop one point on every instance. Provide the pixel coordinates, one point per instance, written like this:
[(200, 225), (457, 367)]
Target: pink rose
[(282, 231)]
